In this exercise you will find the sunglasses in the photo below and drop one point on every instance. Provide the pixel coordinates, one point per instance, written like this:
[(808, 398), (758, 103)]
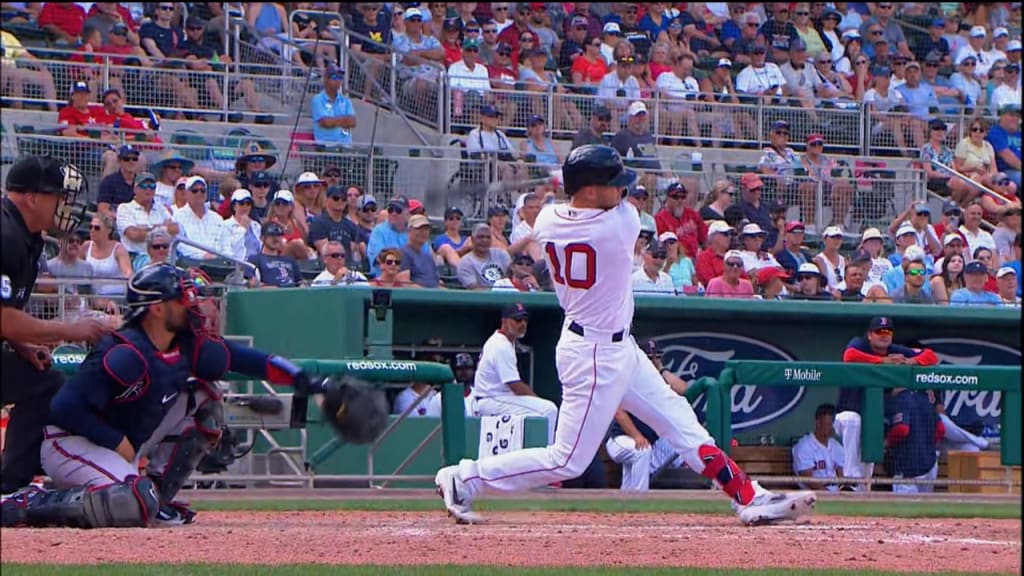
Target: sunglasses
[(394, 210), (472, 30), (332, 174), (977, 129), (802, 277), (504, 53), (335, 255), (659, 255), (595, 44), (501, 9), (147, 186), (130, 158), (111, 101), (1003, 182), (931, 64), (526, 39), (280, 202), (158, 247), (677, 196), (802, 13), (370, 208), (915, 272), (74, 240), (876, 32), (194, 28), (172, 167), (244, 202), (734, 264), (470, 49), (884, 332), (95, 227), (261, 184), (167, 8), (455, 217), (490, 30), (969, 63), (817, 143), (337, 197), (119, 32), (861, 62), (392, 262), (782, 132)]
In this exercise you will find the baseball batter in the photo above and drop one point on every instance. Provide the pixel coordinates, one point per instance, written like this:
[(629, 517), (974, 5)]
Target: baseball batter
[(142, 391), (588, 246), (498, 388)]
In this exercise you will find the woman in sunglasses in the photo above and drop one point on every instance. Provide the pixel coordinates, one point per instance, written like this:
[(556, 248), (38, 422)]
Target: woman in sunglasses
[(240, 235), (389, 261), (589, 67), (108, 258), (974, 157), (282, 213)]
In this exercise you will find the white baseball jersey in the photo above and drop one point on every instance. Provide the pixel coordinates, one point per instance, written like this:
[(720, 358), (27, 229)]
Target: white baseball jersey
[(607, 248), (406, 397), (497, 368), (809, 453)]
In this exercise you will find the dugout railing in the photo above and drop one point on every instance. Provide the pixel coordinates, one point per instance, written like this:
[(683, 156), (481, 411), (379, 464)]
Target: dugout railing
[(873, 381)]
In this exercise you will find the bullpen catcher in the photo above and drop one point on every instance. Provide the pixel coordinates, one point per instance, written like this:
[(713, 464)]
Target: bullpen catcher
[(146, 390)]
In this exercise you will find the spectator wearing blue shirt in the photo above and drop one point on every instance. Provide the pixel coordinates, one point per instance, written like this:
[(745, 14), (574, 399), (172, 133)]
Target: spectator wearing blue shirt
[(391, 233), (895, 280), (1015, 264), (920, 99), (1005, 140), (333, 115), (975, 276), (950, 99)]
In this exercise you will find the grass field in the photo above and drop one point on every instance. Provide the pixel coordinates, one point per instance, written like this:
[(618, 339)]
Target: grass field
[(834, 508), (321, 570)]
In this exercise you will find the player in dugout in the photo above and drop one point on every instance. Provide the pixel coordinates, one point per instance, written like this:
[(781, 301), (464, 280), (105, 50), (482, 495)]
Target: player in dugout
[(875, 347)]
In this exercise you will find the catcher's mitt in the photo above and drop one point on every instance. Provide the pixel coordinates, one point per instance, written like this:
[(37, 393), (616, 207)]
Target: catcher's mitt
[(357, 410)]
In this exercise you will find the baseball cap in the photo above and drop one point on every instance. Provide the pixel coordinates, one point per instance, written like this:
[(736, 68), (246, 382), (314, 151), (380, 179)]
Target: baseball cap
[(950, 238), (797, 44), (651, 348), (975, 268), (780, 124), (451, 211), (333, 72), (261, 176), (733, 255), (181, 182), (273, 229), (194, 21), (767, 274), (950, 207), (463, 360), (79, 86), (861, 256), (579, 21), (127, 150), (922, 209), (851, 34), (913, 254), (638, 191), (718, 227), (452, 24), (412, 12), (1000, 32), (470, 42), (676, 188), (284, 196), (637, 107), (913, 64), (143, 177), (808, 268), (936, 124), (611, 27), (496, 211), (978, 32), (724, 63), (1013, 46), (398, 202), (880, 323), (240, 194), (308, 178), (654, 247), (602, 112), (871, 234), (193, 180), (489, 111), (365, 200), (750, 181), (939, 23), (417, 221), (751, 229), (1009, 109), (535, 119), (795, 226), (1004, 271), (415, 204), (832, 232), (812, 138), (517, 311), (881, 72), (668, 236), (905, 228)]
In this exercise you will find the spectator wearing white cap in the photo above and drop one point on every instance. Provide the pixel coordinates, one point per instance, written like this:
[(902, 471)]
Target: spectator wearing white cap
[(710, 260), (650, 279), (1006, 280), (637, 146), (809, 284), (754, 257), (733, 282), (952, 243), (904, 237), (831, 263), (241, 233), (198, 223), (1000, 41), (309, 197), (678, 264), (895, 279), (975, 49), (871, 241)]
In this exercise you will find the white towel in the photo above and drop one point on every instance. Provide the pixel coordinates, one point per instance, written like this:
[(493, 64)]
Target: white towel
[(500, 434)]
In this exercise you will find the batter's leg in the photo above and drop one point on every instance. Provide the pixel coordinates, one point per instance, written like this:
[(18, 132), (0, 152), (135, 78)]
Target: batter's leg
[(670, 415), (636, 464), (593, 380), (521, 406), (847, 426), (30, 391)]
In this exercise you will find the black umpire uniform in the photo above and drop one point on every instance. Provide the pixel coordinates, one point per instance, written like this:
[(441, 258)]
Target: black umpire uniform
[(21, 384)]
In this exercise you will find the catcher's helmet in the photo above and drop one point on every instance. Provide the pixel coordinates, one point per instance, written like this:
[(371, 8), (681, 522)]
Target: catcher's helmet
[(47, 175), (158, 283), (594, 165), (462, 360)]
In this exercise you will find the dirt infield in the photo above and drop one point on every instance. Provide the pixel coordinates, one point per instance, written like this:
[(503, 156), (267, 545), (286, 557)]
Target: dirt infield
[(538, 539)]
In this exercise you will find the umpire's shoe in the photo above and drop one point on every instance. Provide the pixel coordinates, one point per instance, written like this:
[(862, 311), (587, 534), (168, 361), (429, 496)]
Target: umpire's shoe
[(14, 506), (455, 494)]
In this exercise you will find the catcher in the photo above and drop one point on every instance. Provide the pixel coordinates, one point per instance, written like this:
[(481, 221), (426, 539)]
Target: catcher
[(146, 390)]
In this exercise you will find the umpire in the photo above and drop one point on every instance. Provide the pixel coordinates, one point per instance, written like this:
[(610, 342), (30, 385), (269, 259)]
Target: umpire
[(41, 194)]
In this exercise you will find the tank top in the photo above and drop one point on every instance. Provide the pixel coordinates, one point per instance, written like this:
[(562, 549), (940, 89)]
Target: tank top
[(545, 156), (105, 268), (269, 18), (834, 273)]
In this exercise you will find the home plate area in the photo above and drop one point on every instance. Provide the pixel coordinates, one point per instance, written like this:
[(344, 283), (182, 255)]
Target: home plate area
[(538, 539)]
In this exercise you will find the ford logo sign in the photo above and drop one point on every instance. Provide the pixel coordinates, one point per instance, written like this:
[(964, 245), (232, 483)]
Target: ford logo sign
[(971, 407), (692, 355)]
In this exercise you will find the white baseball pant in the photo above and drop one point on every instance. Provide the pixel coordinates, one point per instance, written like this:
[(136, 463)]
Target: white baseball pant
[(918, 488), (72, 461), (520, 406), (639, 465), (956, 438), (847, 427), (598, 376)]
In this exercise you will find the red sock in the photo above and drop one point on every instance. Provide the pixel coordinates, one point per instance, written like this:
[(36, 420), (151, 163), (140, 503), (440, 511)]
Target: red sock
[(721, 470)]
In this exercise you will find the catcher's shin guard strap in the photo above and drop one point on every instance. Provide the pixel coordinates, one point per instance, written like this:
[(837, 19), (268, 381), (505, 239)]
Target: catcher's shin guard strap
[(721, 470), (129, 504), (189, 449)]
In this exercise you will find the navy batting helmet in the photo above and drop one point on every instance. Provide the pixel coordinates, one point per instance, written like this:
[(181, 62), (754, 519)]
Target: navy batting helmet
[(158, 283), (47, 175), (594, 165)]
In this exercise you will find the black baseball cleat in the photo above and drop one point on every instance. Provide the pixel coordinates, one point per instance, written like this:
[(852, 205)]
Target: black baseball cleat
[(14, 506), (175, 514)]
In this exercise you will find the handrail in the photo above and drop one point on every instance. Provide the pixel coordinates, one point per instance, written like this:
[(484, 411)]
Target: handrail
[(172, 256)]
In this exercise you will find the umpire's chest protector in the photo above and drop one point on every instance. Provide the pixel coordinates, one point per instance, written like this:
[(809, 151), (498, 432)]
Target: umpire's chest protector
[(150, 382)]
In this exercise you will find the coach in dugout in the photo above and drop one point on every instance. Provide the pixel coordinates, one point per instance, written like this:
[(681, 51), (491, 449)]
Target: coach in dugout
[(875, 347)]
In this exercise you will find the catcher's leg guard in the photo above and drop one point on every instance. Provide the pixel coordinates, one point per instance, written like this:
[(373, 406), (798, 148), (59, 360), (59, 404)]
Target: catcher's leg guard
[(129, 504), (188, 448), (721, 470)]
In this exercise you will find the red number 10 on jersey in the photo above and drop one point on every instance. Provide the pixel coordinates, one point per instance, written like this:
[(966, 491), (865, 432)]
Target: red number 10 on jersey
[(562, 273)]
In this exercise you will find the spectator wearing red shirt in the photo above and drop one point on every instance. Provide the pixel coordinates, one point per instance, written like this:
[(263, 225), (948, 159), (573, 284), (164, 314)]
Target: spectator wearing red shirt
[(63, 20), (952, 216), (732, 282), (503, 77), (710, 260), (519, 28), (450, 41), (684, 221), (78, 112), (131, 128)]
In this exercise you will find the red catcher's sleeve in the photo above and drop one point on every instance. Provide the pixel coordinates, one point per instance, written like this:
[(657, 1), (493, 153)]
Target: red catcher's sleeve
[(897, 433), (853, 355)]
